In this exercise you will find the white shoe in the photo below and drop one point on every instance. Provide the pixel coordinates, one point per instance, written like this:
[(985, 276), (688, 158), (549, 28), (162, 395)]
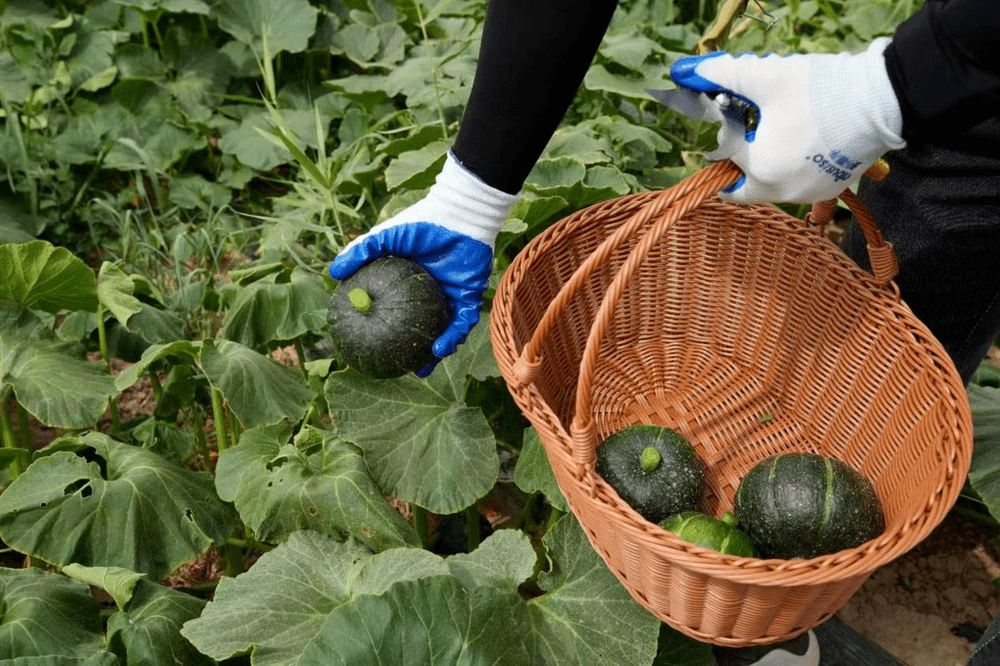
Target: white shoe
[(803, 650)]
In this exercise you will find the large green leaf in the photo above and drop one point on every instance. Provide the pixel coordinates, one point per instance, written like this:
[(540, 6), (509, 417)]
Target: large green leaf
[(288, 24), (105, 503), (319, 483), (47, 615), (115, 292), (258, 390), (40, 276), (146, 629), (317, 600), (53, 382), (278, 606), (291, 597), (101, 658), (416, 623), (270, 310), (422, 442), (984, 472), (586, 616), (533, 472)]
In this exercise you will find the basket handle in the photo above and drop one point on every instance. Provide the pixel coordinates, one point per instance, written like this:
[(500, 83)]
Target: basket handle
[(681, 199), (705, 182)]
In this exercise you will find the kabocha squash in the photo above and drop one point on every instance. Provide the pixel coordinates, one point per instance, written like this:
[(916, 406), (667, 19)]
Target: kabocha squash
[(720, 534), (654, 469), (806, 505), (385, 318)]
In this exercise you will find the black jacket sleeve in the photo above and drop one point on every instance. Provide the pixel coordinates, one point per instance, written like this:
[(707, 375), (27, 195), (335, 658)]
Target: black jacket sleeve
[(532, 60), (944, 64)]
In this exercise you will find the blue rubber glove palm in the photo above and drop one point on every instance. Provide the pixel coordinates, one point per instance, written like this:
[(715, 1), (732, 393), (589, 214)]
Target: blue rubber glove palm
[(451, 233), (820, 119)]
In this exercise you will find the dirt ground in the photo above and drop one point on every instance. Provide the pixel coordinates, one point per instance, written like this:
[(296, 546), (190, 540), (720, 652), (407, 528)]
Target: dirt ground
[(928, 607)]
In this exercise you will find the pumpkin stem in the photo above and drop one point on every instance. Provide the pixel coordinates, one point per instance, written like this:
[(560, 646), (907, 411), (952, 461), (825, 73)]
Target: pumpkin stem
[(650, 459), (360, 299)]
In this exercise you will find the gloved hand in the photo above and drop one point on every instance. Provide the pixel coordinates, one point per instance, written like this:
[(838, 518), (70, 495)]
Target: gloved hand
[(451, 233), (821, 119)]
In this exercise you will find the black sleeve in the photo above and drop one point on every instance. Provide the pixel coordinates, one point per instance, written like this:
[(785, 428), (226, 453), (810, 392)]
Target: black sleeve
[(533, 57), (944, 64)]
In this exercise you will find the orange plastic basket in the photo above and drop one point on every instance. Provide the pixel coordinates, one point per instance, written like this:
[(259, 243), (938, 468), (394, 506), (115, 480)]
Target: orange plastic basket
[(751, 334)]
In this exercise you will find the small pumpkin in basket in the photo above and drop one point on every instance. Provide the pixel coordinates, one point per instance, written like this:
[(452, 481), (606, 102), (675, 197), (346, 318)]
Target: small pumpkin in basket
[(654, 469), (806, 505)]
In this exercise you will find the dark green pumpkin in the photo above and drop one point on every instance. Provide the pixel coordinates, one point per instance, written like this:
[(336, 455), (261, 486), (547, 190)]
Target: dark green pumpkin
[(806, 505), (385, 318), (719, 534), (654, 469)]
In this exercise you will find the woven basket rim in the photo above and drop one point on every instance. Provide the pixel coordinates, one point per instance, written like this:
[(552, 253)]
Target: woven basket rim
[(850, 563)]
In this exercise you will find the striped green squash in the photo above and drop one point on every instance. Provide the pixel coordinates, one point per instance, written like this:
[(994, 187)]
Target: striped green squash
[(719, 534), (806, 505)]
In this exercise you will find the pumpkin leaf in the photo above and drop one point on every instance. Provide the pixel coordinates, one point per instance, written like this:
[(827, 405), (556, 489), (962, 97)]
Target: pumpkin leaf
[(39, 276), (104, 503), (984, 470), (279, 488), (115, 292), (533, 472), (53, 381), (586, 616), (288, 25), (259, 391), (427, 621), (273, 610), (428, 446), (47, 615), (269, 311)]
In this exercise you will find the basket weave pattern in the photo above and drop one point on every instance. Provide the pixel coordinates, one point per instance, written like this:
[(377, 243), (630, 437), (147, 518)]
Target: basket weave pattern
[(751, 334)]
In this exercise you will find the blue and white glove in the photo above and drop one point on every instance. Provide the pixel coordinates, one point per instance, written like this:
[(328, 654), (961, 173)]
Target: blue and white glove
[(451, 233), (820, 119)]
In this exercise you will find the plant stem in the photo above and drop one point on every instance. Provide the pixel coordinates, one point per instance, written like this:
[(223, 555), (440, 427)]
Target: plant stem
[(301, 353), (975, 516), (472, 534), (434, 72), (219, 418), (24, 427), (248, 542), (102, 337), (7, 430), (199, 431), (154, 381), (553, 517), (420, 523), (233, 555), (234, 428)]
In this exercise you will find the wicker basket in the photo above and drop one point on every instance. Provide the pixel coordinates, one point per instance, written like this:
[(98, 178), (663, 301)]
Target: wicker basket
[(752, 334)]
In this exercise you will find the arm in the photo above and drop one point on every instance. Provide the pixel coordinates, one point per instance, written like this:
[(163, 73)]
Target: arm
[(533, 57), (944, 65)]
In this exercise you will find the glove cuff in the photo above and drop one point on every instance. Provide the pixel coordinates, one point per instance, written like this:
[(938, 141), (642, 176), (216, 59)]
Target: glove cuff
[(857, 112), (462, 202)]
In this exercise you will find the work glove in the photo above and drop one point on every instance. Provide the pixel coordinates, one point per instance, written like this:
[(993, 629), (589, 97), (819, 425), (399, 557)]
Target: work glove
[(810, 125), (451, 233)]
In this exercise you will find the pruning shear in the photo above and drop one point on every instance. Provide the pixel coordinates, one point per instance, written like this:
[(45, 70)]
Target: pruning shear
[(738, 115)]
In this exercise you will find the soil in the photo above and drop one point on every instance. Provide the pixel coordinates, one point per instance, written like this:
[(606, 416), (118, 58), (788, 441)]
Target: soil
[(929, 606)]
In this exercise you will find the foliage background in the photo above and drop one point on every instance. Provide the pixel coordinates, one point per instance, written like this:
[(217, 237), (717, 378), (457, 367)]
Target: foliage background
[(177, 176)]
